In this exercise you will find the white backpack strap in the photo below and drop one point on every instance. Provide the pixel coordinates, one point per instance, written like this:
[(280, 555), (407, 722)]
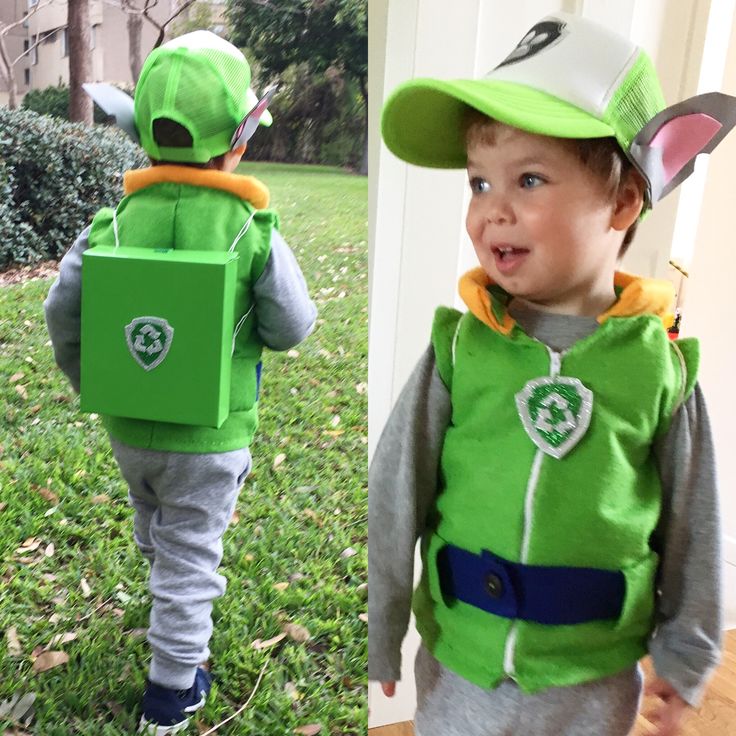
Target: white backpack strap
[(683, 377), (241, 321)]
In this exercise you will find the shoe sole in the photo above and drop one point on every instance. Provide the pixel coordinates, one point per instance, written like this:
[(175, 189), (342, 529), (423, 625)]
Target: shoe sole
[(148, 728)]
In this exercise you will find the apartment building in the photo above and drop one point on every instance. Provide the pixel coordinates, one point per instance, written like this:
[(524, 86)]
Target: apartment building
[(48, 63)]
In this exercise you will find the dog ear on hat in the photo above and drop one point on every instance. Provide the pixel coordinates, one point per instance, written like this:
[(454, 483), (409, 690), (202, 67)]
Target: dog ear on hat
[(665, 149), (116, 103)]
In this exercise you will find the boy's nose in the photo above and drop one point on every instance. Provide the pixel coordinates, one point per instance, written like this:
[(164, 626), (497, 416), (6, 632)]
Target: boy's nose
[(499, 210)]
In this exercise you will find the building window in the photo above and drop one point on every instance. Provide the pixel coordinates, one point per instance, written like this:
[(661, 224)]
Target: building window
[(65, 43), (93, 37), (27, 76), (34, 52)]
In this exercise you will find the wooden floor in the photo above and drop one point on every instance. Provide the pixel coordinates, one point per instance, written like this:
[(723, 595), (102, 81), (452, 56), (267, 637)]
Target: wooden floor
[(716, 715)]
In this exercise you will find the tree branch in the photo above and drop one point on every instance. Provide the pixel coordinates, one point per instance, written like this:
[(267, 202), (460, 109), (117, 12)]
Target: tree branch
[(4, 29)]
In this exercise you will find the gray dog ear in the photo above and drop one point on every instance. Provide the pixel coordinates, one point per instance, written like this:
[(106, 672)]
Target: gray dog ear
[(664, 150), (116, 103)]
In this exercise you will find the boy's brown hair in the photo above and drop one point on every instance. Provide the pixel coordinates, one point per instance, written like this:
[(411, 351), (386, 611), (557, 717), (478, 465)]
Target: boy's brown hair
[(601, 156), (169, 133)]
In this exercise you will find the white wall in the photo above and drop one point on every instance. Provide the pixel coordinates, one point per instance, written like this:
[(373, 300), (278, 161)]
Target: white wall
[(418, 244)]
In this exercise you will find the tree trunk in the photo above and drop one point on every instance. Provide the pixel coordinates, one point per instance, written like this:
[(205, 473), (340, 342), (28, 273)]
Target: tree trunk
[(80, 61), (8, 73), (364, 94), (135, 23)]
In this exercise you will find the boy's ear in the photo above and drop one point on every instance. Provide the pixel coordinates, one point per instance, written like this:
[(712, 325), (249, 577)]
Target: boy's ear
[(629, 201), (664, 150)]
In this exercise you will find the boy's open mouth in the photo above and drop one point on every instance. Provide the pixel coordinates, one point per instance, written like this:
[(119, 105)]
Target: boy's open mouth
[(508, 258)]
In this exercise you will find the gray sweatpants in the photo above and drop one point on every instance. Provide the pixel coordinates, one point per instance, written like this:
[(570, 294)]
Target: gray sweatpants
[(449, 705), (183, 503)]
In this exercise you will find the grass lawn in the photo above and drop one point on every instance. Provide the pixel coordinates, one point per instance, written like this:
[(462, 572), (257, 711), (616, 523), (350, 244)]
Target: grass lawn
[(295, 552)]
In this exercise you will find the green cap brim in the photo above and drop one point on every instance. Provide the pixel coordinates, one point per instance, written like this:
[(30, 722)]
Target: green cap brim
[(422, 121)]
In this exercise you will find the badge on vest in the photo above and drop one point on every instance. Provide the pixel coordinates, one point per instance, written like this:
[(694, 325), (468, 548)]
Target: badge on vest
[(149, 340), (555, 412)]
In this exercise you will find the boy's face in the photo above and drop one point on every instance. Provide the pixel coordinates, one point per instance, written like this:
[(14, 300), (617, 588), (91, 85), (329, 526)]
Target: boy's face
[(541, 222)]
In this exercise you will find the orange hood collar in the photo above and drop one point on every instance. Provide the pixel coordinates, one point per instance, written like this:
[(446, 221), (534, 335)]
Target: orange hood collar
[(637, 296), (245, 187)]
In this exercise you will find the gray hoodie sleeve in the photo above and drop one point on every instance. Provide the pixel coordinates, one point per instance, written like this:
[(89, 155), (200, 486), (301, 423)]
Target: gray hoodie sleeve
[(285, 313), (63, 310), (686, 643), (402, 484)]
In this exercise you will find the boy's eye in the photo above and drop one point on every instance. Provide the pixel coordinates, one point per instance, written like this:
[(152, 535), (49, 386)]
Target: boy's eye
[(478, 185), (529, 181)]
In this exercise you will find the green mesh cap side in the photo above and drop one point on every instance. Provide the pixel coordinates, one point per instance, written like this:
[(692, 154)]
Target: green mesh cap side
[(635, 102), (203, 89)]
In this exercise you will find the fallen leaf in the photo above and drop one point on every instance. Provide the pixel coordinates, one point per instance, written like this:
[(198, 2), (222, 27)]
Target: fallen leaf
[(14, 647), (3, 506), (347, 552), (20, 709), (297, 633), (102, 498), (16, 377), (293, 353), (280, 586), (309, 730), (335, 420), (291, 691), (259, 644), (248, 557), (363, 617), (295, 577), (310, 513), (61, 639), (47, 495), (361, 388), (34, 409), (137, 633), (86, 590), (21, 391), (30, 545), (50, 549), (235, 518), (49, 660), (278, 460)]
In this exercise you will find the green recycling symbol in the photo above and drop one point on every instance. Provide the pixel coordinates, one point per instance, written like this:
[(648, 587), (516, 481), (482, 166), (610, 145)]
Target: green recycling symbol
[(149, 340), (555, 412)]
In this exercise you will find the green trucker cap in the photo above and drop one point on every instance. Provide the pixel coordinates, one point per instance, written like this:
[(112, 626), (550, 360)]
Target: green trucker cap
[(200, 81), (568, 77)]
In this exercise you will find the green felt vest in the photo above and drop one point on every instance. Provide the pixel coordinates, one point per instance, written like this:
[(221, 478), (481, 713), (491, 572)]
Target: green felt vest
[(595, 507), (189, 217)]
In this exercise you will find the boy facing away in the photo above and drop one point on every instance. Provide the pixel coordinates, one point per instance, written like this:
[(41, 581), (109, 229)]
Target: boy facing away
[(190, 106), (551, 449)]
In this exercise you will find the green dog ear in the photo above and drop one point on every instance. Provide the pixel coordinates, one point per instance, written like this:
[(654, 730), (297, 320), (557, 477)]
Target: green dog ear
[(665, 149), (116, 103)]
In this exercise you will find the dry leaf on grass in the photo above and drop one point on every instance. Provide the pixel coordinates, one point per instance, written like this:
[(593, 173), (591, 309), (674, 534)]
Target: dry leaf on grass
[(311, 729), (14, 647), (298, 633), (50, 549), (348, 552), (102, 498), (86, 590), (259, 644), (18, 708), (280, 586), (16, 377), (61, 639), (47, 495), (21, 391), (313, 516), (278, 460), (49, 660), (291, 691), (293, 353), (363, 617)]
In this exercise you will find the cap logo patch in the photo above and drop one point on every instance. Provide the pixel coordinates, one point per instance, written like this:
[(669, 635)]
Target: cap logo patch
[(543, 35), (149, 340)]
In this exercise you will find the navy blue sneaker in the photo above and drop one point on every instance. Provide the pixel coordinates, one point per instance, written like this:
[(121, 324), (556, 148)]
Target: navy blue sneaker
[(167, 711)]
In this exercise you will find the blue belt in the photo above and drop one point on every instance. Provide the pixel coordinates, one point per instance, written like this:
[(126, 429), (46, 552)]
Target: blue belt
[(547, 595)]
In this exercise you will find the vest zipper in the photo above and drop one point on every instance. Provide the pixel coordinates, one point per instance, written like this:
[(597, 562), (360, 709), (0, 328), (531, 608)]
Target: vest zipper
[(531, 487)]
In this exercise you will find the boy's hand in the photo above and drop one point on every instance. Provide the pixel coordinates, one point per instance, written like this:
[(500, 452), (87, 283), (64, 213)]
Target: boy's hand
[(389, 688), (667, 713)]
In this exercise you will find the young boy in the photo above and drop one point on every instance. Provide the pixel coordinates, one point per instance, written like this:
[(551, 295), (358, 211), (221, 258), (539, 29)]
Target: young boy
[(551, 448), (190, 103)]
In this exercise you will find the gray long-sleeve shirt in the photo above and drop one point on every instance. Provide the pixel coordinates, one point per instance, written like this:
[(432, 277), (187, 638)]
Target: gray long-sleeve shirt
[(285, 314), (403, 484)]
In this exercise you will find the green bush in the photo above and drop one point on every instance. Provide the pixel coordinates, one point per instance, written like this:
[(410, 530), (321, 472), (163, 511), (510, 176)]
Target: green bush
[(54, 101), (54, 176)]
